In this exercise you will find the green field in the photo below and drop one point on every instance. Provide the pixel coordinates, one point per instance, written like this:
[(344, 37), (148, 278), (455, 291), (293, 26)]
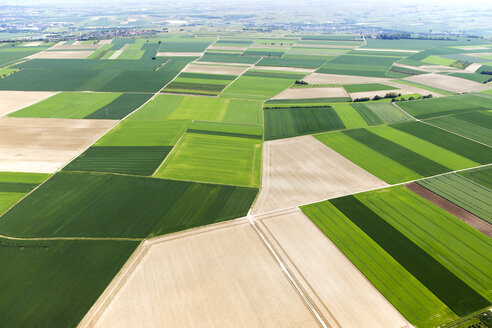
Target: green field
[(474, 125), (94, 75), (302, 61), (68, 105), (428, 108), (304, 103), (257, 88), (356, 63), (177, 107), (349, 116), (107, 205), (400, 153), (376, 228), (480, 78), (120, 107), (134, 160), (291, 122), (274, 74), (14, 186), (211, 84), (459, 145), (466, 193), (481, 175), (62, 278), (11, 54), (412, 299), (436, 60), (227, 129), (227, 58), (379, 113), (367, 87), (214, 158)]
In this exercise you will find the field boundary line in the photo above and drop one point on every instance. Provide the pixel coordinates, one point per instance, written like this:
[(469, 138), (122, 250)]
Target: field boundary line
[(460, 135), (72, 238), (287, 272)]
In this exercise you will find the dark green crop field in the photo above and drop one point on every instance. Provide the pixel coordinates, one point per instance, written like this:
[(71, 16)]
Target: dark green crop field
[(290, 122), (107, 205), (55, 283), (94, 75), (135, 160), (120, 107)]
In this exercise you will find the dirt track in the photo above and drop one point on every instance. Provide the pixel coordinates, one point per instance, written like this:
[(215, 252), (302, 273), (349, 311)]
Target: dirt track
[(343, 296)]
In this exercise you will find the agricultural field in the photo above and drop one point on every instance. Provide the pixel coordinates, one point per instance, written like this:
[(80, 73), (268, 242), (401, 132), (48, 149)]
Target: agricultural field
[(302, 170), (395, 157), (202, 169), (385, 234), (15, 185), (210, 266), (116, 201), (215, 157)]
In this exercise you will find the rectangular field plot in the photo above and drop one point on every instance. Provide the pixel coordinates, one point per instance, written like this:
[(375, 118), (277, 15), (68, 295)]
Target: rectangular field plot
[(448, 83), (51, 273), (380, 113), (214, 158), (45, 145), (290, 122), (302, 61), (302, 170), (215, 69), (474, 125), (468, 194), (339, 291), (397, 223), (357, 64), (120, 107), (10, 101), (12, 54), (227, 265), (108, 205), (135, 160), (83, 75), (227, 129), (367, 87), (199, 83), (14, 186), (227, 58), (178, 107), (312, 93), (68, 105), (258, 88), (428, 108)]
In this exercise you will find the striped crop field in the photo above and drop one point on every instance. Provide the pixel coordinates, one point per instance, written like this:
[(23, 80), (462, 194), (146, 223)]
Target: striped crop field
[(389, 235), (395, 157)]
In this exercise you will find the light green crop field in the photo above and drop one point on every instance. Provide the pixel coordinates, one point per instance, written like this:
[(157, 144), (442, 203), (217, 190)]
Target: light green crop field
[(256, 87), (158, 108), (369, 159), (436, 60), (15, 185), (425, 148), (68, 105), (200, 108), (414, 301), (215, 159), (459, 247), (144, 133), (349, 116)]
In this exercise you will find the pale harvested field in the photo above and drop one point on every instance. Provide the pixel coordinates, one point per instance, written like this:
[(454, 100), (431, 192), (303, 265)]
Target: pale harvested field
[(286, 69), (79, 54), (227, 48), (11, 101), (473, 67), (306, 93), (76, 46), (342, 295), (408, 89), (302, 170), (103, 42), (118, 52), (218, 276), (381, 93), (334, 46), (226, 64), (33, 44), (320, 78), (44, 145), (449, 83), (179, 54), (215, 69)]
